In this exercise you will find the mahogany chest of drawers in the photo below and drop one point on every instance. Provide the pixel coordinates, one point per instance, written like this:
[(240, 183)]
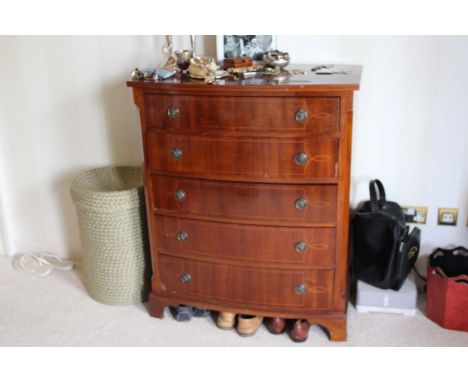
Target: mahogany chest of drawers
[(247, 188)]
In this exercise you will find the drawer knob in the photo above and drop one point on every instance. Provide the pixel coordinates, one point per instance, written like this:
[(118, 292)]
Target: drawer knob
[(301, 115), (182, 235), (173, 111), (186, 277), (176, 153), (300, 246), (180, 195), (300, 289), (301, 203), (301, 159)]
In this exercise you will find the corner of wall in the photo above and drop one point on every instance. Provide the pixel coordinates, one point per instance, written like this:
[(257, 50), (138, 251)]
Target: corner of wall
[(4, 243)]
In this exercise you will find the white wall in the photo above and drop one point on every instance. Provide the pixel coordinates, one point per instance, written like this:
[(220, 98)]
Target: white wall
[(64, 107), (410, 122)]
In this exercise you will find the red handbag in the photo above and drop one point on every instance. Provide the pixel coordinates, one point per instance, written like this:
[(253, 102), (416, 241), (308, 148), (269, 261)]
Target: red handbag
[(447, 299)]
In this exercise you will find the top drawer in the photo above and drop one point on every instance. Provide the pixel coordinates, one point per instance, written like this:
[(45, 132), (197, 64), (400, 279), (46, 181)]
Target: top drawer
[(284, 115)]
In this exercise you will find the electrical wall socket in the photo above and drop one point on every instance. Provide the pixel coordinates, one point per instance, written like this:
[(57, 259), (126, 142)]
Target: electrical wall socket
[(447, 216), (415, 215)]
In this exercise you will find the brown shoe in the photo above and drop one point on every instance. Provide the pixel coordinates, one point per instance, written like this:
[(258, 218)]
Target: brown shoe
[(226, 320), (300, 331), (248, 325), (276, 325)]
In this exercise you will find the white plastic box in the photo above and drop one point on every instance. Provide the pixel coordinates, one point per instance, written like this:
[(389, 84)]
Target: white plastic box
[(372, 299)]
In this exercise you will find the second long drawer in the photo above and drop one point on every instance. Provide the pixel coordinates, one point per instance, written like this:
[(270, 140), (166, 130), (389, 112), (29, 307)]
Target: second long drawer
[(287, 160), (275, 246), (254, 203)]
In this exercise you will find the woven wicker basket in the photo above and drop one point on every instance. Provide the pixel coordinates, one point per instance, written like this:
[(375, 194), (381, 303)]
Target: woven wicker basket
[(111, 212)]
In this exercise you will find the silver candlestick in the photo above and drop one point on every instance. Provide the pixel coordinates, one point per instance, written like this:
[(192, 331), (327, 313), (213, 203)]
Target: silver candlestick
[(171, 61), (192, 42)]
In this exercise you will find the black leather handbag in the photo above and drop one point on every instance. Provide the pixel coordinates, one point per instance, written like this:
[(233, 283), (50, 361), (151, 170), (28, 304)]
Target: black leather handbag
[(384, 251)]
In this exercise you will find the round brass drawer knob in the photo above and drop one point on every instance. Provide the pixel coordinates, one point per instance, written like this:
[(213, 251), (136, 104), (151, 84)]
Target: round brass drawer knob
[(186, 277), (176, 153), (173, 111), (301, 203), (180, 195), (182, 235), (300, 246), (300, 289), (301, 159), (301, 115)]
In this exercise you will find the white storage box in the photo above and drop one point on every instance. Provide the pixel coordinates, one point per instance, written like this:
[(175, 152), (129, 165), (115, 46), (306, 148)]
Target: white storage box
[(372, 299)]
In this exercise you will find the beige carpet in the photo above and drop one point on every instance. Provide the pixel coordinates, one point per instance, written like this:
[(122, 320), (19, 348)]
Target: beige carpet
[(56, 311)]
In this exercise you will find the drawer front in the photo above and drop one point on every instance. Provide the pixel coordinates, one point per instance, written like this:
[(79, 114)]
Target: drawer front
[(213, 283), (272, 204), (301, 160), (310, 247), (243, 114)]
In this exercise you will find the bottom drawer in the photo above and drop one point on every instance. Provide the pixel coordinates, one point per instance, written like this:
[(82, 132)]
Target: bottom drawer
[(212, 283)]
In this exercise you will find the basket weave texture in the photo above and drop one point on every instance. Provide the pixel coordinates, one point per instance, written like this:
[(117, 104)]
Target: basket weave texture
[(111, 212)]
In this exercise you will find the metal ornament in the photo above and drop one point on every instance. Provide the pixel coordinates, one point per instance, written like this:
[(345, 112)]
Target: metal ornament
[(171, 62), (203, 68), (148, 74), (137, 74), (192, 43), (183, 58), (276, 59)]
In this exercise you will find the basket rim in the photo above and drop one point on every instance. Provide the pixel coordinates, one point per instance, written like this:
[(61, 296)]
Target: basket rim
[(75, 186)]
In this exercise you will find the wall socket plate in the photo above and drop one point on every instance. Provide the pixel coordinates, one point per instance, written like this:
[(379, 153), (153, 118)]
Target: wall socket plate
[(415, 215), (447, 216)]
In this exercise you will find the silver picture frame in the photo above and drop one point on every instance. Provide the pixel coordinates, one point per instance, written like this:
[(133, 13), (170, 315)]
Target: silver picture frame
[(230, 46)]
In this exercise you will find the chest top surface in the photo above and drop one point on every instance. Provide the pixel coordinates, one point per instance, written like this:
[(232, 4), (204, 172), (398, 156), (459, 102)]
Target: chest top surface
[(289, 82)]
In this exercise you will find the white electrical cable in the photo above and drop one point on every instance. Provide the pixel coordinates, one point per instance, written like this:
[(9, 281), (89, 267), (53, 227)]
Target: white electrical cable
[(41, 263)]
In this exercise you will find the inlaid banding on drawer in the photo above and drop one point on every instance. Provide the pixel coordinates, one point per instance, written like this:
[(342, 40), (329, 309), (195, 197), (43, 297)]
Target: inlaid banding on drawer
[(250, 203), (310, 247), (264, 160), (248, 285), (243, 114)]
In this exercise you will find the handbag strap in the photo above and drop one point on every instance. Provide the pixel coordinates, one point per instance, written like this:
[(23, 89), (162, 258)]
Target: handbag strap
[(377, 194), (448, 251), (459, 248), (437, 271)]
